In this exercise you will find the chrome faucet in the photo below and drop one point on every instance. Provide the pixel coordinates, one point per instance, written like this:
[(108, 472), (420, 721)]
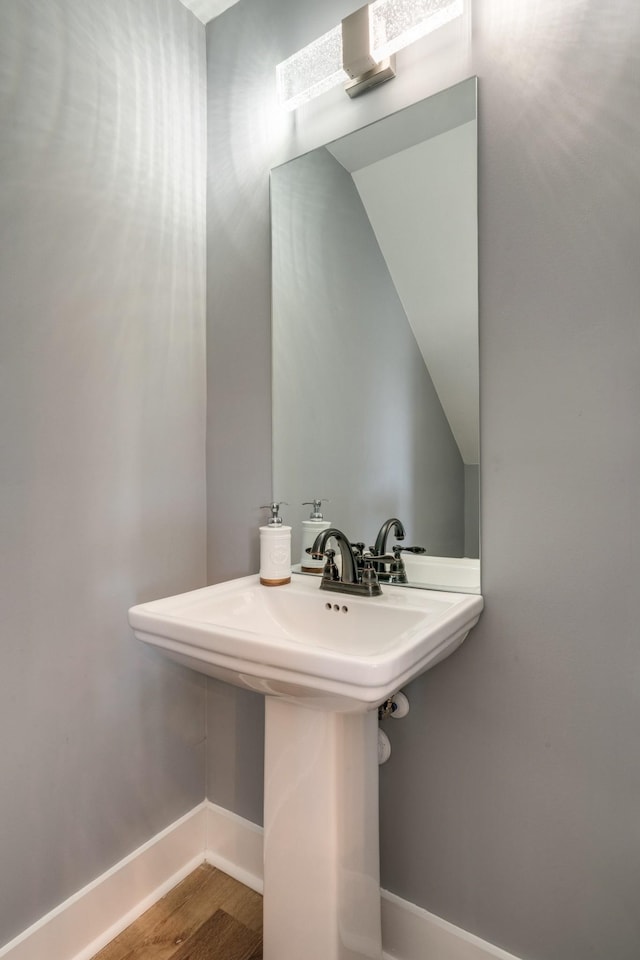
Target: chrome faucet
[(362, 582)]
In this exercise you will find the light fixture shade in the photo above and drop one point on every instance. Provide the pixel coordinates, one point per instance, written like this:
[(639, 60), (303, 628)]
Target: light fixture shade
[(311, 71), (395, 24)]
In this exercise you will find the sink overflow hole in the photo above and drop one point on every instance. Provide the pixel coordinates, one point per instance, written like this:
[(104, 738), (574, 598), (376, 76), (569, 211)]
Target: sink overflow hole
[(336, 607)]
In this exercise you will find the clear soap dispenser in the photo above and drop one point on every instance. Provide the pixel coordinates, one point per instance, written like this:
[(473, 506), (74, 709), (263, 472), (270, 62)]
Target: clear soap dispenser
[(275, 549), (310, 530)]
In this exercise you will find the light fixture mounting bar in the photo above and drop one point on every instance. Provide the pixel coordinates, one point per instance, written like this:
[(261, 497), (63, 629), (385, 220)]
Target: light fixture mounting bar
[(358, 63), (360, 49), (381, 72)]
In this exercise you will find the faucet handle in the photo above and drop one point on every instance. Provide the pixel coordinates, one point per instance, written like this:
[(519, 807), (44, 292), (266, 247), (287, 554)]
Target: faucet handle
[(381, 558), (330, 570), (374, 566), (369, 575), (397, 571)]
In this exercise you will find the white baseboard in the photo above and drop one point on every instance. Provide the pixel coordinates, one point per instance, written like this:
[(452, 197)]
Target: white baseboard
[(411, 933), (83, 924), (234, 845), (88, 920)]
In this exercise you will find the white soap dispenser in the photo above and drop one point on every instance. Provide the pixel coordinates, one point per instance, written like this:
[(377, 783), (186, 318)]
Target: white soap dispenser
[(310, 530), (275, 549)]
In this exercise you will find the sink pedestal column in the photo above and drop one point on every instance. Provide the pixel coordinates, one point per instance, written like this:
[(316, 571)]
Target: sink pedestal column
[(321, 845)]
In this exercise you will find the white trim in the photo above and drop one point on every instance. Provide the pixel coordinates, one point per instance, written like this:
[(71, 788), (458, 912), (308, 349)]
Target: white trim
[(411, 933), (91, 918), (234, 845)]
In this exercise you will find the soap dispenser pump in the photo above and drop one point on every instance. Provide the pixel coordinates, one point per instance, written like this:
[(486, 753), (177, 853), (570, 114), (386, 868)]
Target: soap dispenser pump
[(310, 530), (275, 549)]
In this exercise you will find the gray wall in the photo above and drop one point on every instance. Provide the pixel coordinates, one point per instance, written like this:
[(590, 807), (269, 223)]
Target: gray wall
[(510, 802), (352, 396), (102, 399)]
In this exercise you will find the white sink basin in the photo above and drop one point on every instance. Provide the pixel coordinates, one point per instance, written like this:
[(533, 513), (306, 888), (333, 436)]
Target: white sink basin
[(310, 647)]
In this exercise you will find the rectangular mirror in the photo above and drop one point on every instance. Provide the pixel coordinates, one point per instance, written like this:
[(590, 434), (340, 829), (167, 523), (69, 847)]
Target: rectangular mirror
[(375, 335)]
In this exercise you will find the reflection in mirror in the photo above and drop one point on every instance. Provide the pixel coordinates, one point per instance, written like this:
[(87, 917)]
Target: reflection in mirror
[(375, 334)]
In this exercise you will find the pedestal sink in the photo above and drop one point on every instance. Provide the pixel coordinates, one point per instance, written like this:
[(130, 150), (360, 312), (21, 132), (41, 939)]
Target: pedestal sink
[(324, 662)]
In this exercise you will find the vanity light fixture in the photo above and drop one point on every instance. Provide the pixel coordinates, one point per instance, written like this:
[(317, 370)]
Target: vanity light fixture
[(359, 51)]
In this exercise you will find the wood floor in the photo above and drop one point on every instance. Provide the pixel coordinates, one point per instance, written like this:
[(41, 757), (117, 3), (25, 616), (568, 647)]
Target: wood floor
[(209, 916)]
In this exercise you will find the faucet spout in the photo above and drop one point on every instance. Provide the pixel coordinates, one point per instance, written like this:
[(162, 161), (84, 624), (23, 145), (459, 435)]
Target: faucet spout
[(383, 534), (349, 568)]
